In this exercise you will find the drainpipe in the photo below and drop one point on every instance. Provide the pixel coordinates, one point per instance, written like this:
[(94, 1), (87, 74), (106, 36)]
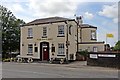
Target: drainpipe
[(67, 42), (77, 31), (79, 21), (80, 34)]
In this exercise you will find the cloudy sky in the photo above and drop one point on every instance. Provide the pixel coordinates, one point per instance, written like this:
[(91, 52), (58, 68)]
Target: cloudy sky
[(103, 15)]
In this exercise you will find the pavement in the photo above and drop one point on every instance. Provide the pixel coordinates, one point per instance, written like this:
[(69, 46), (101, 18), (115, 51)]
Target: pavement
[(77, 69)]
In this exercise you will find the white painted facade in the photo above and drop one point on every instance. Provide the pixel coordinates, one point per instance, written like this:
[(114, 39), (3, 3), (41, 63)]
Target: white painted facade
[(52, 38)]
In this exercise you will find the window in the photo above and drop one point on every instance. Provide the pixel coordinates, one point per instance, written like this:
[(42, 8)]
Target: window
[(70, 30), (95, 49), (53, 48), (30, 48), (61, 48), (30, 32), (93, 35), (44, 45), (61, 30), (71, 56), (44, 31), (36, 49)]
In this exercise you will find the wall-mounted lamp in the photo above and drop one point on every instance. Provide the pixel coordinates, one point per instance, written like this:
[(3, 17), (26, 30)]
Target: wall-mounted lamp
[(53, 48), (52, 45), (22, 44), (35, 44)]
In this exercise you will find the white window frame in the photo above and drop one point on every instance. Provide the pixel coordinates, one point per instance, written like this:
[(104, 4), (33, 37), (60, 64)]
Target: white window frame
[(30, 32), (95, 49), (61, 49), (93, 35), (61, 31), (30, 48), (44, 31)]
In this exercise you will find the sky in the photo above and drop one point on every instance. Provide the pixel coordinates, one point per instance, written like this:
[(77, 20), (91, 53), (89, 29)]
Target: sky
[(100, 13)]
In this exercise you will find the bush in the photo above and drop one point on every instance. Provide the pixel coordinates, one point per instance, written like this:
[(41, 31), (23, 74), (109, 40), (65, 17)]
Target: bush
[(6, 60), (9, 59), (84, 53), (117, 46)]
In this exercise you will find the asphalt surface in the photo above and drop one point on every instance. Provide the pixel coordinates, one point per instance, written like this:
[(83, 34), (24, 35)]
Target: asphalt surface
[(45, 70)]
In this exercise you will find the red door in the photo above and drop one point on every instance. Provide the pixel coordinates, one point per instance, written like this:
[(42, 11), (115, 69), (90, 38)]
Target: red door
[(45, 53)]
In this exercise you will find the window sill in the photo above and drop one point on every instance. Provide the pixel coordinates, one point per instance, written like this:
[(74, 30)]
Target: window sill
[(60, 55), (61, 36), (44, 36), (29, 37), (93, 39), (30, 54)]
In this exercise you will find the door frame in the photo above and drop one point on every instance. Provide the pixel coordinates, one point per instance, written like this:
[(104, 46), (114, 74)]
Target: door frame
[(41, 50)]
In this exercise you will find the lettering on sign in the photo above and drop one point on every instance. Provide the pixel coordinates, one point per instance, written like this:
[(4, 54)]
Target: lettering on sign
[(106, 55), (45, 39), (94, 56)]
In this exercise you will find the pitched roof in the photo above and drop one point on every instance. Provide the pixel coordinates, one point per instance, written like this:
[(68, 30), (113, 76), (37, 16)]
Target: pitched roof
[(48, 20), (87, 26)]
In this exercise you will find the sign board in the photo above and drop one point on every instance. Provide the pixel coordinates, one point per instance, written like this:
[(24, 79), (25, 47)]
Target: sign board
[(106, 55), (45, 39), (94, 56)]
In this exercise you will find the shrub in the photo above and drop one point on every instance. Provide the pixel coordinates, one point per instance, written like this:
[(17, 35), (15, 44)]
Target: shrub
[(6, 60), (9, 59), (117, 46), (84, 53)]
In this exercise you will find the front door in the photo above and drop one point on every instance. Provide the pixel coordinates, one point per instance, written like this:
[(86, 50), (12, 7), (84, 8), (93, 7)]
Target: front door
[(44, 51)]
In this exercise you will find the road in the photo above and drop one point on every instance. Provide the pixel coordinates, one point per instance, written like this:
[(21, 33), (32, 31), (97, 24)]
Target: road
[(45, 70)]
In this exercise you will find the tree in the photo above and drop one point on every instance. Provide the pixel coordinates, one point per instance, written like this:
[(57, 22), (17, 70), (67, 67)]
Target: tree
[(117, 46), (10, 26)]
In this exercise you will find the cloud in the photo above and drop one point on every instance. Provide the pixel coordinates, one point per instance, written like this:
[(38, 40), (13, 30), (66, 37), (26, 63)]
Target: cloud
[(110, 11), (88, 15), (14, 1), (15, 8), (47, 8), (71, 0), (41, 9), (101, 35), (115, 20)]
